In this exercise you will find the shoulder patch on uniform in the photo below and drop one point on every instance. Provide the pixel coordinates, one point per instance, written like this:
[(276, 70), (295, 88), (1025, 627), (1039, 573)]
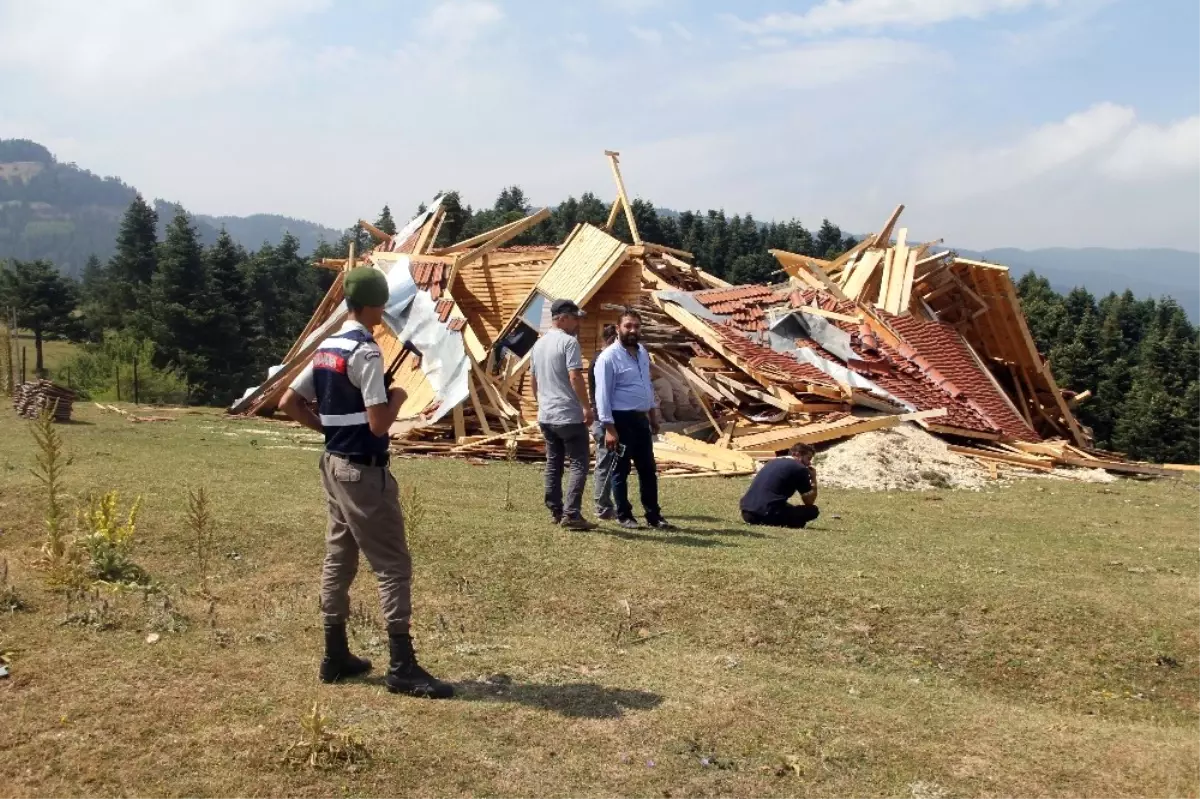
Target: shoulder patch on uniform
[(370, 352)]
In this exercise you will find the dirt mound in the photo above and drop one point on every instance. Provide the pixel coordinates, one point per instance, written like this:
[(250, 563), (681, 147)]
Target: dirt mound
[(903, 458)]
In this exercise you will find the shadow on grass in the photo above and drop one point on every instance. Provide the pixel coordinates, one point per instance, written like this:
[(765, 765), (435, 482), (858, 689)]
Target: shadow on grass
[(744, 532), (573, 700), (659, 538), (700, 518)]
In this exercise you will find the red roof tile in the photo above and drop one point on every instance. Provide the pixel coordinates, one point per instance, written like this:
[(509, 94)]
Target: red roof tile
[(928, 368), (943, 353), (773, 364)]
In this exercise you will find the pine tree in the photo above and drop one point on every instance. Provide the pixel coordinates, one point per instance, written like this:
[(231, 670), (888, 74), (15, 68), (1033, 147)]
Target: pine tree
[(180, 306), (755, 268), (829, 240), (93, 299), (385, 222), (135, 261), (454, 219), (512, 201), (232, 333), (42, 298), (1148, 425)]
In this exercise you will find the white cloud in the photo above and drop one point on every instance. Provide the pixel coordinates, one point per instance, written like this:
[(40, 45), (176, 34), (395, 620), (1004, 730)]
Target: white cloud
[(459, 22), (682, 32), (816, 65), (647, 35), (1097, 177), (1105, 140), (635, 7), (1050, 147), (833, 16), (1151, 151), (84, 47)]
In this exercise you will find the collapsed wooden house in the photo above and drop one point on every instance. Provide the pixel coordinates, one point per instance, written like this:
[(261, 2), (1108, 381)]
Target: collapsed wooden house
[(889, 332)]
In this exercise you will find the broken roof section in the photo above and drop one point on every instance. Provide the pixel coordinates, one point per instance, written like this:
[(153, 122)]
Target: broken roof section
[(981, 336), (891, 329)]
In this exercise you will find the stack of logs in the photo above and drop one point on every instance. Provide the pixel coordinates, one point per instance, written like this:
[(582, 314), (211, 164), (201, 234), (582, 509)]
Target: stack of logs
[(30, 398)]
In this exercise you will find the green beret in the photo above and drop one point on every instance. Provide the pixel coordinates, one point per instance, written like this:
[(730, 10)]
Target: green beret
[(364, 286)]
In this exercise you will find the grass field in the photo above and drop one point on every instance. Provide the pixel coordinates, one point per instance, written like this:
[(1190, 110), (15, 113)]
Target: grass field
[(55, 354), (1038, 638)]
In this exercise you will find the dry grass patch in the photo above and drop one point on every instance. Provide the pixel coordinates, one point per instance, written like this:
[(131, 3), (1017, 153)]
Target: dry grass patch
[(1038, 639)]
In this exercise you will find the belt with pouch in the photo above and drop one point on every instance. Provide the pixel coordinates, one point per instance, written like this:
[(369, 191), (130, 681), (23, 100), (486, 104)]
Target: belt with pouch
[(364, 460)]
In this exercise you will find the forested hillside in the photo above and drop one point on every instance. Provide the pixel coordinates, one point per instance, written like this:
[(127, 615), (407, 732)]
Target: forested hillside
[(64, 214)]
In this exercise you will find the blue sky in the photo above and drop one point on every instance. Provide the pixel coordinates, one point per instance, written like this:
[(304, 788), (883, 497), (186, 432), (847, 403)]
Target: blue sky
[(997, 122)]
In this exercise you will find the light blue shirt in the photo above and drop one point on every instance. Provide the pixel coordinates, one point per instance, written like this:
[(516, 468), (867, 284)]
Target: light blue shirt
[(623, 382)]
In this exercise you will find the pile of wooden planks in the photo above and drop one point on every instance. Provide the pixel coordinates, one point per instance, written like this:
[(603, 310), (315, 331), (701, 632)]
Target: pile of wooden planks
[(32, 397)]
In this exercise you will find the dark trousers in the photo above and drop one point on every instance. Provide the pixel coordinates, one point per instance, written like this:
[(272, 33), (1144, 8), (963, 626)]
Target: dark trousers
[(606, 459), (566, 442), (793, 517), (633, 430)]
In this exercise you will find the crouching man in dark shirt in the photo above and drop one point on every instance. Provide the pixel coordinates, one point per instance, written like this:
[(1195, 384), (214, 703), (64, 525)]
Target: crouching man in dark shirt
[(766, 501)]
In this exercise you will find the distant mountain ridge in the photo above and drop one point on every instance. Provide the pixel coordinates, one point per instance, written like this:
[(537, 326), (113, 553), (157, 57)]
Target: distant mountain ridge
[(64, 213), (1148, 272)]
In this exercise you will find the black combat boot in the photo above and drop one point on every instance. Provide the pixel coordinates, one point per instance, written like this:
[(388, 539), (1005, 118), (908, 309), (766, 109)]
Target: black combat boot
[(338, 663), (406, 677)]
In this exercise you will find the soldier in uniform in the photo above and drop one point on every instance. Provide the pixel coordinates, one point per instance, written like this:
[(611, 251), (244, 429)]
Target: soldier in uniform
[(354, 409)]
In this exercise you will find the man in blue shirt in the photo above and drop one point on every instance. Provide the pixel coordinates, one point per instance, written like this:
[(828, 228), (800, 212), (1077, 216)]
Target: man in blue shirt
[(626, 406)]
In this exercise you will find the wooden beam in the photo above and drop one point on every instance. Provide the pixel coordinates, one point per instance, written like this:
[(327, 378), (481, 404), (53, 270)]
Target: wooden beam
[(487, 235), (1028, 461), (694, 475), (375, 232), (895, 288), (1119, 466), (960, 432), (884, 235), (726, 439), (1068, 417), (493, 394), (474, 394), (1082, 396), (730, 459), (885, 284), (460, 427), (803, 265), (427, 229), (761, 396), (489, 440), (906, 283), (613, 162), (510, 232), (861, 274), (841, 317)]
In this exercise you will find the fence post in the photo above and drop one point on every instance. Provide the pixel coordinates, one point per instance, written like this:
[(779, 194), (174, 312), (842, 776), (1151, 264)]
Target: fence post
[(135, 382), (117, 367), (22, 363)]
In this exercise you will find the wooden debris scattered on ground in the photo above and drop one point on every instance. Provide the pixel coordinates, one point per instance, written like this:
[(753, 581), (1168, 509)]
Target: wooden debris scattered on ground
[(892, 331), (135, 417)]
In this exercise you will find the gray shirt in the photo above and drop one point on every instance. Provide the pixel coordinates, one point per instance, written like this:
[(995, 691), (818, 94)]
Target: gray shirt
[(554, 356)]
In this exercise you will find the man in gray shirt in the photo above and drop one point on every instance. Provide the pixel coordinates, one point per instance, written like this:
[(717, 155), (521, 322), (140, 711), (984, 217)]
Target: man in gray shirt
[(564, 412)]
